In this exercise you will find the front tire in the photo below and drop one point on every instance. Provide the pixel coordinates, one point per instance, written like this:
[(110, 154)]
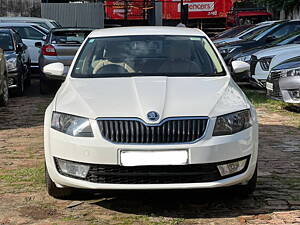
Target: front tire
[(4, 95), (59, 193)]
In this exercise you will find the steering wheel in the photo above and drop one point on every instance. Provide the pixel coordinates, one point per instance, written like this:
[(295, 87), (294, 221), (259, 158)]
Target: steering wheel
[(111, 69)]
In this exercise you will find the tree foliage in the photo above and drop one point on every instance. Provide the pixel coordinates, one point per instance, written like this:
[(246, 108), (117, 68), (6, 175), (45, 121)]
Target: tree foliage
[(280, 4)]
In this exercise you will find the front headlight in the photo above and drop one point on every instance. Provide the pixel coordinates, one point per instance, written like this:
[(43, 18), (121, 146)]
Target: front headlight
[(227, 50), (232, 123), (290, 72), (11, 64), (245, 58), (71, 125), (265, 62)]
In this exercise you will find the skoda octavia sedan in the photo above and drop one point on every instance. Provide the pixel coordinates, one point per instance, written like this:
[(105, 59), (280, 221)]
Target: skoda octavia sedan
[(149, 108)]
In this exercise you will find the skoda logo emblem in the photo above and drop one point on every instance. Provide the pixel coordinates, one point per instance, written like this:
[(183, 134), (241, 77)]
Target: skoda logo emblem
[(153, 116)]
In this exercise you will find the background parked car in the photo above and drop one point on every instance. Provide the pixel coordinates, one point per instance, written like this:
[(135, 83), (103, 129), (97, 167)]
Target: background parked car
[(245, 34), (275, 31), (60, 45), (45, 23), (17, 61), (232, 32), (284, 81), (259, 73), (264, 60), (3, 80), (30, 33)]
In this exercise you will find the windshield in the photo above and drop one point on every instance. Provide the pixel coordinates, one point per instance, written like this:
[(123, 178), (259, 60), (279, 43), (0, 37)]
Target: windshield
[(156, 55), (293, 38), (253, 31), (6, 42), (69, 37)]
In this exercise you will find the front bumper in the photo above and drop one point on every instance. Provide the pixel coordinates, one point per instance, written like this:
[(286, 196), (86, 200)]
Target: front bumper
[(96, 150)]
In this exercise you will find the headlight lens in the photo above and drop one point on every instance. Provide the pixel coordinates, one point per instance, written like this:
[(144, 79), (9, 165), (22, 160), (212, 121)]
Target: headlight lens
[(232, 123), (227, 50), (290, 72), (265, 63), (11, 64), (71, 125)]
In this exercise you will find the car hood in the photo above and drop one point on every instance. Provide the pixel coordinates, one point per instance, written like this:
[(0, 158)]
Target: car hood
[(285, 55), (136, 96), (275, 50)]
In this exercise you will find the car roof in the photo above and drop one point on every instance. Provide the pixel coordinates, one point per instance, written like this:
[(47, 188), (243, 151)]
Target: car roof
[(149, 30), (72, 29), (18, 24), (25, 18)]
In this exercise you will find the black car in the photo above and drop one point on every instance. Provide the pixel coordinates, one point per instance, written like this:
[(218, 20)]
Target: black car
[(275, 31), (231, 32), (3, 80), (283, 82), (17, 61)]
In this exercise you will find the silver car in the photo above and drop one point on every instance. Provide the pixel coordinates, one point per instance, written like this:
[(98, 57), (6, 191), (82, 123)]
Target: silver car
[(45, 23), (60, 45)]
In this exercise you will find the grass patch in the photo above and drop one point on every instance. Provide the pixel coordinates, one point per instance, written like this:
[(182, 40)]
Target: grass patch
[(259, 99), (22, 179)]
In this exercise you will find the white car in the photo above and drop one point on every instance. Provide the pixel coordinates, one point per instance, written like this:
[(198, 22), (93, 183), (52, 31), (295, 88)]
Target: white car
[(246, 34), (30, 34), (149, 108), (263, 61), (45, 23)]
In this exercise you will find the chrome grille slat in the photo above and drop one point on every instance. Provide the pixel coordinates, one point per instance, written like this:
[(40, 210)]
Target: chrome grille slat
[(135, 131)]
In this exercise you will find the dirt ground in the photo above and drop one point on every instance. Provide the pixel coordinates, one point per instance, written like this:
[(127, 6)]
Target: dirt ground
[(23, 199)]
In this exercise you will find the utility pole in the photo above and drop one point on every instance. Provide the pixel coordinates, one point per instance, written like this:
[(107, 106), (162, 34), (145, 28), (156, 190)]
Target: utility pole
[(181, 11)]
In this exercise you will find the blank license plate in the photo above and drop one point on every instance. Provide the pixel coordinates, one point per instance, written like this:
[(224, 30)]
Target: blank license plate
[(269, 86), (153, 158)]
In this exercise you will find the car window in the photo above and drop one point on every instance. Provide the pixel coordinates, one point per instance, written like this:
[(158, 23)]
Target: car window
[(6, 42), (263, 33), (43, 24), (283, 31), (55, 24), (252, 31), (158, 55), (29, 33), (69, 37)]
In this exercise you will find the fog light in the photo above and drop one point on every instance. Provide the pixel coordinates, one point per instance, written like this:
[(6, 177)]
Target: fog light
[(72, 168), (295, 94), (231, 168)]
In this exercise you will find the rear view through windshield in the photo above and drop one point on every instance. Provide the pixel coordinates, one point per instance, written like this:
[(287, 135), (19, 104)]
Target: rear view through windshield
[(69, 37), (147, 55)]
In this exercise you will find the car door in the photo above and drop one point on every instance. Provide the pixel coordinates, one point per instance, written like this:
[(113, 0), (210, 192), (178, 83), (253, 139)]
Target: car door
[(29, 36)]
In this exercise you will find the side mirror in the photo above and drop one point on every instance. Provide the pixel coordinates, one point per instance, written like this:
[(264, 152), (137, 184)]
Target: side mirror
[(270, 39), (38, 44), (21, 47), (44, 38), (240, 66), (54, 69)]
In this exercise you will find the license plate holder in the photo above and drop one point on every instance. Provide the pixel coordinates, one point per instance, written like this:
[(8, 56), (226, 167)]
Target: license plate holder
[(153, 157), (269, 86)]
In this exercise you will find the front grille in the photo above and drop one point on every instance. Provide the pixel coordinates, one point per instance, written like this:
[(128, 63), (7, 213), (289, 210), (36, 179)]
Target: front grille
[(134, 131)]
